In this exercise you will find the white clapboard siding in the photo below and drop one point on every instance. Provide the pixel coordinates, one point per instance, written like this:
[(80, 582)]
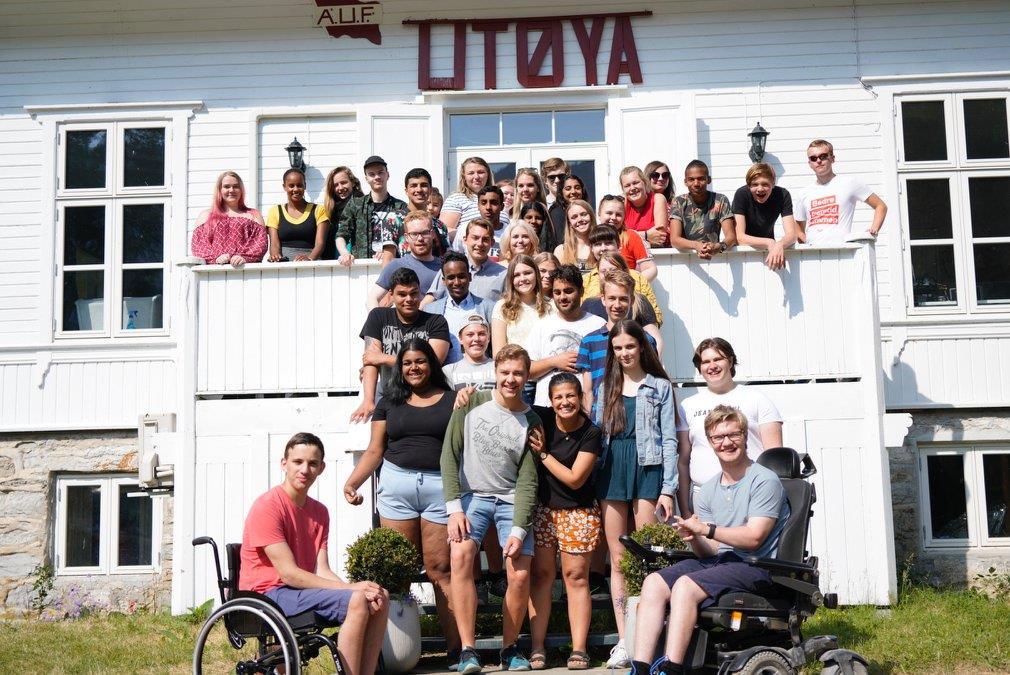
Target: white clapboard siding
[(799, 323), (239, 445), (925, 368), (84, 392), (281, 327), (331, 141)]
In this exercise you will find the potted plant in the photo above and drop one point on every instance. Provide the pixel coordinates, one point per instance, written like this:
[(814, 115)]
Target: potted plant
[(386, 557), (635, 569)]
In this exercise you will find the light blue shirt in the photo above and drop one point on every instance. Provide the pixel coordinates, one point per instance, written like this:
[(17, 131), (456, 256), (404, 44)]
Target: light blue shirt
[(456, 315), (759, 494)]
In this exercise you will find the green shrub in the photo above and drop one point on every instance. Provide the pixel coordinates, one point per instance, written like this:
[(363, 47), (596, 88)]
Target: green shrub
[(634, 568), (386, 557)]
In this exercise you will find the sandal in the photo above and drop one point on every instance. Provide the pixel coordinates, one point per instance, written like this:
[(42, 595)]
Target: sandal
[(538, 660), (578, 661)]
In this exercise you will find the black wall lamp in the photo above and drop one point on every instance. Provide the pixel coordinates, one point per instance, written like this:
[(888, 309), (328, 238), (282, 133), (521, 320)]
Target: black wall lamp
[(296, 153), (758, 138)]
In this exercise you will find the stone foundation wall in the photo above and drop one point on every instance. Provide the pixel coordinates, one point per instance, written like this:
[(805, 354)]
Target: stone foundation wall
[(29, 466), (960, 427)]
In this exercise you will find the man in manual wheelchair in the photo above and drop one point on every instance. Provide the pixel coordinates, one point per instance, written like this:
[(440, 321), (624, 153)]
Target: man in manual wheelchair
[(281, 593), (748, 582)]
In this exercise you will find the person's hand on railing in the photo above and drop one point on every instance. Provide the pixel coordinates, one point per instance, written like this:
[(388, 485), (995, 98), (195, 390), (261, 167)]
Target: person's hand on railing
[(222, 259), (658, 236), (346, 259), (776, 258), (352, 496), (237, 261), (362, 412)]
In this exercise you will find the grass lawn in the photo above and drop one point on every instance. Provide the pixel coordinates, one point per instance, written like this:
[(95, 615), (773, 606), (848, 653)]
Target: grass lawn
[(928, 632)]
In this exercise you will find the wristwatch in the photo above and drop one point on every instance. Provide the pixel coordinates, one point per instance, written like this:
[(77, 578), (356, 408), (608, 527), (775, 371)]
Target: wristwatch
[(543, 456), (722, 247), (711, 531)]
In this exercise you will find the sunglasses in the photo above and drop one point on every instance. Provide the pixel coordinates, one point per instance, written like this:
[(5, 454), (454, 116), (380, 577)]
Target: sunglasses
[(823, 157), (613, 198), (555, 177), (660, 175)]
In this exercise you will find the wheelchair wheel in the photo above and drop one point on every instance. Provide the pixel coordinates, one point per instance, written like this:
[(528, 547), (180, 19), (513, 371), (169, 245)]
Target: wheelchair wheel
[(766, 663), (246, 636), (832, 668)]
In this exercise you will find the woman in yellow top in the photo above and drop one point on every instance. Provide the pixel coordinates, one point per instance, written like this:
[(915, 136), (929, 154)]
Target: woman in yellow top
[(297, 229), (611, 260)]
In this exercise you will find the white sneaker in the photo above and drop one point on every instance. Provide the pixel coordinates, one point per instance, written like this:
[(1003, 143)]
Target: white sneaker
[(619, 656)]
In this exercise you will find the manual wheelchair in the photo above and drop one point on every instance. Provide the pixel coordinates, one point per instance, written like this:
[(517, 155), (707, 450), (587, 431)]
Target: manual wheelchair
[(255, 628), (754, 634)]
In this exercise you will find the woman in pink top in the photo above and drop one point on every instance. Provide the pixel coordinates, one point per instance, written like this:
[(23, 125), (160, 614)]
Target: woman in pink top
[(229, 231), (646, 211)]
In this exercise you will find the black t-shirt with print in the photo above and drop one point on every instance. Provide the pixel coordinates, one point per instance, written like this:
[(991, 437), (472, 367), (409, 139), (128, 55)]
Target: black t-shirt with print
[(761, 217), (565, 447), (383, 325)]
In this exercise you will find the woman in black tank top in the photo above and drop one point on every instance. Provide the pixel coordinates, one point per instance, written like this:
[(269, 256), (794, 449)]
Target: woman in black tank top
[(298, 228)]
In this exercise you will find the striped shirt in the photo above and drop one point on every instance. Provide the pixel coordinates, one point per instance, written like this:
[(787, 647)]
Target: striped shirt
[(593, 354)]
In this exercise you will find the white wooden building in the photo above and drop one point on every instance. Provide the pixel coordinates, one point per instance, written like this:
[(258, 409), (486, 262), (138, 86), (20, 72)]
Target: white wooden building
[(889, 361)]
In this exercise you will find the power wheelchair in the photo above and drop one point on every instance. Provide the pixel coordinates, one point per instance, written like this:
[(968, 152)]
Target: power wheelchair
[(762, 634), (256, 629)]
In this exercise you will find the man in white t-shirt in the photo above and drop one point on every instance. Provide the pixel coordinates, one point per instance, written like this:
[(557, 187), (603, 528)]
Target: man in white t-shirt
[(824, 210), (716, 361), (553, 343)]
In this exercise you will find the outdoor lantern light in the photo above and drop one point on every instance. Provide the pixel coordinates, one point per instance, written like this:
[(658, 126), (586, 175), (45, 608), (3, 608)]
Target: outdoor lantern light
[(758, 137), (296, 150)]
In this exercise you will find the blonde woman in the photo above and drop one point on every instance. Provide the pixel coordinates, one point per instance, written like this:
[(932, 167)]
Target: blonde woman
[(460, 207), (547, 265), (229, 232), (576, 249), (530, 193), (647, 212), (518, 239), (341, 185), (522, 304)]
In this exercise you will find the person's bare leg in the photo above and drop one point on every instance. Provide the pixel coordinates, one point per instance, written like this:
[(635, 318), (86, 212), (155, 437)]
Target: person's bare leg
[(492, 549), (684, 601), (652, 608), (644, 512), (436, 564), (351, 638), (599, 564), (575, 568), (464, 593), (516, 597), (374, 634), (544, 573), (615, 523)]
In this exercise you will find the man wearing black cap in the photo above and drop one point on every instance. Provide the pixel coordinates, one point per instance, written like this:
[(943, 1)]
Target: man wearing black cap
[(372, 224)]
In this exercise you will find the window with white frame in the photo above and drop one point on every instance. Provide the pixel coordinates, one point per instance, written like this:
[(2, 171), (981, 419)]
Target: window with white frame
[(104, 527), (965, 496), (954, 178), (112, 207)]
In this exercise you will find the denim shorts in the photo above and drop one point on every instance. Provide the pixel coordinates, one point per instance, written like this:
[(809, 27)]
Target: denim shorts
[(404, 494), (482, 511)]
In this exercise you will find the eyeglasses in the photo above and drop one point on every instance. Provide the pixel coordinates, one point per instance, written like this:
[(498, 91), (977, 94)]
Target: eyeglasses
[(418, 235), (734, 436), (555, 177), (659, 175), (823, 157)]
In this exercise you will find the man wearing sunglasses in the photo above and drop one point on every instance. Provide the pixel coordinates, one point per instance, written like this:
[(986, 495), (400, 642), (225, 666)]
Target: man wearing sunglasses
[(824, 210), (553, 172)]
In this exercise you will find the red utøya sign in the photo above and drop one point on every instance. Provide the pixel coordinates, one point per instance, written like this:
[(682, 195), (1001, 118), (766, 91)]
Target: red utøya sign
[(623, 52)]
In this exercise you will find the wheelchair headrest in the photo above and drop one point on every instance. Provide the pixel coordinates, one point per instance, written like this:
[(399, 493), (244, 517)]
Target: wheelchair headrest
[(785, 462)]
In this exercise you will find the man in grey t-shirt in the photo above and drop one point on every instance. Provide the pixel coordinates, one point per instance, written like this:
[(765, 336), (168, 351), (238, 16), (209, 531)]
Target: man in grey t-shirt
[(740, 511)]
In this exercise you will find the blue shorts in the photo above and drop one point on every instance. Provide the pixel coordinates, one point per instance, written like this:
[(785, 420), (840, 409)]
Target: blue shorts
[(720, 574), (482, 511), (329, 604), (404, 494)]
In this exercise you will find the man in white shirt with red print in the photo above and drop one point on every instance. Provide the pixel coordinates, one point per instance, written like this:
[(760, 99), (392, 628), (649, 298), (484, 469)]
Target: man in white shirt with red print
[(824, 210)]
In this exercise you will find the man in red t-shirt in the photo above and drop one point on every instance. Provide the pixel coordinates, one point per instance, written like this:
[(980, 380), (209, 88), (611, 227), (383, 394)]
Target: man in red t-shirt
[(284, 557)]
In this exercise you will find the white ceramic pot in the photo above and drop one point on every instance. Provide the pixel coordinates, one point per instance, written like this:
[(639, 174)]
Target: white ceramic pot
[(401, 647), (630, 614)]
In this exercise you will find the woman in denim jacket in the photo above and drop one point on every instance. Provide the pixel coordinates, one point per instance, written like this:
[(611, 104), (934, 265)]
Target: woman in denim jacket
[(635, 408)]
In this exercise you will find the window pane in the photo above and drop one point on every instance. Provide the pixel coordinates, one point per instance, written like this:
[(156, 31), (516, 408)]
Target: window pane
[(992, 274), (135, 528), (143, 157), (929, 209), (473, 129), (586, 170), (990, 206), (924, 131), (578, 126), (85, 159), (84, 506), (503, 170), (948, 508), (143, 233), (985, 129), (933, 280), (83, 304), (532, 127), (142, 298), (84, 235), (996, 472)]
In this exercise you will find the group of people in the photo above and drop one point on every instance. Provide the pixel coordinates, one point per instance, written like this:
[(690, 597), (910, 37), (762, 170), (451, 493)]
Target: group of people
[(520, 406)]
